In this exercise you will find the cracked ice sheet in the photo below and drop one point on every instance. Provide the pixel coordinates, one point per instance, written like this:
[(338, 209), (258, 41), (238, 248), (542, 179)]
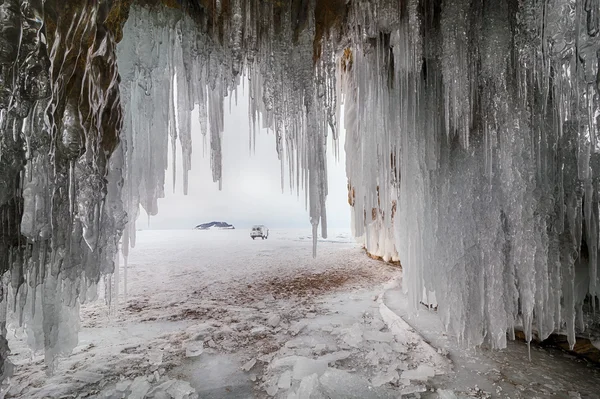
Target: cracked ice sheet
[(194, 285), (504, 373), (346, 350)]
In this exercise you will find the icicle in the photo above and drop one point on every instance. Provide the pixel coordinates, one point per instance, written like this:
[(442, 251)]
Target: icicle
[(479, 172), (117, 275), (125, 278)]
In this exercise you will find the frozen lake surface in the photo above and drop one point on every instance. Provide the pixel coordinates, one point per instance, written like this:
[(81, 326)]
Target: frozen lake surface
[(215, 314)]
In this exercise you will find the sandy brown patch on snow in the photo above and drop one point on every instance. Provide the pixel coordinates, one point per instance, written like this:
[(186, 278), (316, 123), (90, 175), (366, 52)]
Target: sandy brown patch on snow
[(310, 284), (306, 285)]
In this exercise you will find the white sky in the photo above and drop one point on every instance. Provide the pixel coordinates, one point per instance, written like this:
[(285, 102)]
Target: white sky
[(251, 191)]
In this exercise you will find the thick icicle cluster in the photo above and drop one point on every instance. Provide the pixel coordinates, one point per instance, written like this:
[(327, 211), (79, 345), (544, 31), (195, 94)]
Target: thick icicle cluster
[(84, 144), (171, 63), (60, 190), (472, 141), (479, 121)]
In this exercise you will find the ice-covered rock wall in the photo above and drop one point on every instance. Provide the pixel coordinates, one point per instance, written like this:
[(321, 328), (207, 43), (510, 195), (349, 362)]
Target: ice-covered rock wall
[(471, 144), (490, 110), (84, 143), (60, 206)]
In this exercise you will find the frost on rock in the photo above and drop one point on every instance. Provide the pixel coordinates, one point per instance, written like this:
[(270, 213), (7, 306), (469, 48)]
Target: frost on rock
[(471, 140)]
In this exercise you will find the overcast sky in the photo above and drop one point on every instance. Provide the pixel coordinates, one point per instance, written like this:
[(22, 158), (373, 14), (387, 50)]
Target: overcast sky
[(251, 191)]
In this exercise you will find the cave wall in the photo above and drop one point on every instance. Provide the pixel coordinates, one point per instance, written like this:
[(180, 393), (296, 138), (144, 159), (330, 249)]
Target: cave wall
[(490, 111), (471, 131)]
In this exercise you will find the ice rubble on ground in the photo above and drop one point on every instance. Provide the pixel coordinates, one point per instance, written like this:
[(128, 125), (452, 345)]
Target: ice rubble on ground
[(144, 387), (322, 362), (472, 142)]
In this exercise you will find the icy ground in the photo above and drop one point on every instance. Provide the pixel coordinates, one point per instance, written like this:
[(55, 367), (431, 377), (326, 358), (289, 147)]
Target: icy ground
[(214, 314)]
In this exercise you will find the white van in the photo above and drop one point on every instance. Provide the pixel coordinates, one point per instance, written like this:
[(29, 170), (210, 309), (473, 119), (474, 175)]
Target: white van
[(259, 231)]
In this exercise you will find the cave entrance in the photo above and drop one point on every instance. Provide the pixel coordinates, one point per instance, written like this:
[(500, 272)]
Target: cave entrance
[(199, 309)]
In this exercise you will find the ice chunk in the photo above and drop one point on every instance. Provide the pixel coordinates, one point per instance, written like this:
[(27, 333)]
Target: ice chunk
[(87, 376), (162, 388), (287, 361), (373, 357), (320, 348), (398, 365), (421, 373), (181, 390), (352, 336), (399, 347), (260, 330), (200, 331), (335, 356), (413, 389), (249, 364), (194, 348), (110, 393), (327, 328), (173, 389), (384, 378), (297, 327), (305, 367), (123, 386), (139, 388), (341, 384), (377, 324), (307, 386), (274, 320), (293, 343), (155, 357), (272, 390), (446, 394), (161, 395), (285, 380)]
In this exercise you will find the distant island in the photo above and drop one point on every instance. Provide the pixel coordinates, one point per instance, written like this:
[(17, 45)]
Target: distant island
[(215, 225)]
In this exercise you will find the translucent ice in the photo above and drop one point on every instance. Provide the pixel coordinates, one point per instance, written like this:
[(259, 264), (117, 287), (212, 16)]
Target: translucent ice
[(285, 380), (479, 171), (139, 388), (194, 348), (305, 367), (421, 373)]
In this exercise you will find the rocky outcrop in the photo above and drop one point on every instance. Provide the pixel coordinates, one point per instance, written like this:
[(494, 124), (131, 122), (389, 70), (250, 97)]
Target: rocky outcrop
[(215, 225), (583, 347), (376, 233)]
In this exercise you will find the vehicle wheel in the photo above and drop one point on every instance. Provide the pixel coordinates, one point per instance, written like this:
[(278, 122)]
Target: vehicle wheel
[(263, 238), (253, 238)]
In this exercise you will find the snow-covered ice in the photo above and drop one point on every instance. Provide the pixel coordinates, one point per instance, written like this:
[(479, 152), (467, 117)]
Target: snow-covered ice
[(497, 224), (201, 294), (216, 295), (422, 372)]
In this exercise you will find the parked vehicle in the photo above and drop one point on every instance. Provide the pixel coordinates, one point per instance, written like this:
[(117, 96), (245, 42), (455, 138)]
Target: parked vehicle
[(259, 231)]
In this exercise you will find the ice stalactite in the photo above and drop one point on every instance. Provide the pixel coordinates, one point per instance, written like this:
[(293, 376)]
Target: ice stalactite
[(60, 200), (471, 141), (489, 111), (166, 47)]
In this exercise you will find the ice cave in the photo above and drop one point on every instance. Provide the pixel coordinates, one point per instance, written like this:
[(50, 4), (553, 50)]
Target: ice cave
[(472, 143)]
